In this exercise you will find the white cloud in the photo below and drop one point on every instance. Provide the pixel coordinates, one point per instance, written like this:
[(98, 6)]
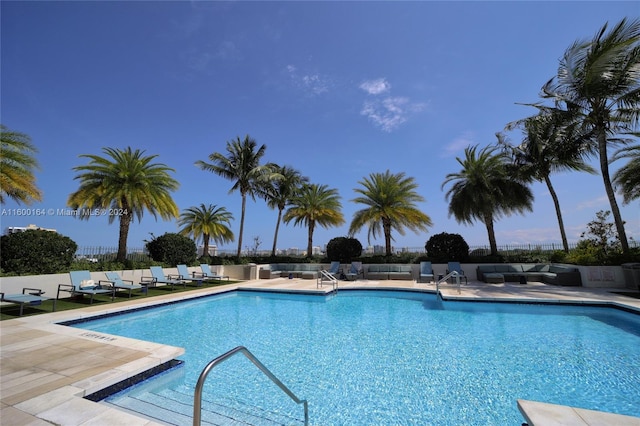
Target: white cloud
[(375, 87), (595, 202), (228, 50), (311, 84), (529, 235), (389, 113), (459, 144)]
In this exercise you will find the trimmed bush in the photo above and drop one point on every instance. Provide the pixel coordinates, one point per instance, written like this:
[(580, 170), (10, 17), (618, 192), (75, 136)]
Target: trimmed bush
[(36, 252), (344, 249), (172, 249), (444, 247)]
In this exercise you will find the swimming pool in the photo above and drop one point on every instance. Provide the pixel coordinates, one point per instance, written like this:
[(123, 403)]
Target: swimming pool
[(389, 357)]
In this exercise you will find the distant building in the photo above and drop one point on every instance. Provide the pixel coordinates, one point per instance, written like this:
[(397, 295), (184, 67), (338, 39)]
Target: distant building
[(213, 250), (293, 251), (15, 229), (316, 250)]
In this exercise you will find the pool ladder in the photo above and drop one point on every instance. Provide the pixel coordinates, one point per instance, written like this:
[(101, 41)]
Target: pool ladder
[(326, 276), (454, 274), (197, 398)]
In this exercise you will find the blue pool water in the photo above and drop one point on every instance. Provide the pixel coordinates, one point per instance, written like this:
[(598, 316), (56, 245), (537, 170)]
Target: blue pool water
[(386, 357)]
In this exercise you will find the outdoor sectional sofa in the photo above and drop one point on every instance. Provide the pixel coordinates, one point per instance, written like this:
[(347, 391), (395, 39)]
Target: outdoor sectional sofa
[(389, 272), (294, 270), (548, 274)]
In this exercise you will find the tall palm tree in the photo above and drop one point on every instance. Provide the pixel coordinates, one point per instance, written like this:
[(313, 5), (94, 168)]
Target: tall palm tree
[(279, 191), (599, 82), (124, 184), (206, 222), (484, 190), (390, 200), (242, 166), (315, 205), (17, 165), (543, 152), (627, 178)]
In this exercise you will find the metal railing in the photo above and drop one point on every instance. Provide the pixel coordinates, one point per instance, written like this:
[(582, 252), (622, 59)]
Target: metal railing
[(197, 402), (321, 278), (454, 274)]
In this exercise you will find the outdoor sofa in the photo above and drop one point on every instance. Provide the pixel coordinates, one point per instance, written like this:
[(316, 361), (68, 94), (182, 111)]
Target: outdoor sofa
[(307, 271), (389, 272), (548, 274)]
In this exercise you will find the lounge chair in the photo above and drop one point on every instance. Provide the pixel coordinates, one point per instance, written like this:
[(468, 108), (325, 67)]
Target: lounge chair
[(125, 285), (334, 269), (81, 284), (455, 266), (355, 270), (158, 277), (207, 274), (29, 296), (186, 276), (426, 272)]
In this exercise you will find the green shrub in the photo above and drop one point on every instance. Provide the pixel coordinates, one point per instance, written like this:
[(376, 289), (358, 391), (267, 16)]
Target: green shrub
[(344, 249), (36, 252), (444, 247), (172, 249), (558, 256)]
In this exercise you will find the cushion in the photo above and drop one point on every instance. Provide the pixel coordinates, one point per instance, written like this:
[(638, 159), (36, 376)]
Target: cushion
[(487, 268), (508, 268), (87, 284), (554, 268)]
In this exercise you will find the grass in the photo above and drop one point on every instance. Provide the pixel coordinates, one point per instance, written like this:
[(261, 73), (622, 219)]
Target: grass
[(11, 311)]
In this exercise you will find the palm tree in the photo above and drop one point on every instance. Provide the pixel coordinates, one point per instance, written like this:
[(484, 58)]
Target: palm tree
[(279, 191), (390, 200), (123, 184), (315, 205), (207, 222), (543, 152), (628, 177), (16, 167), (599, 82), (242, 166), (484, 190)]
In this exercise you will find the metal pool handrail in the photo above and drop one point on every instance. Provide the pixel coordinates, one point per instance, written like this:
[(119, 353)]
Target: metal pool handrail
[(324, 274), (455, 274), (197, 398)]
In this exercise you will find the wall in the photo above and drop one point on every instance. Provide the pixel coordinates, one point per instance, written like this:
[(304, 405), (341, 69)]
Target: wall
[(602, 276)]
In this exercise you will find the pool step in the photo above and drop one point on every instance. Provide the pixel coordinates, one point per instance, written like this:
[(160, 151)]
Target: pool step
[(176, 408)]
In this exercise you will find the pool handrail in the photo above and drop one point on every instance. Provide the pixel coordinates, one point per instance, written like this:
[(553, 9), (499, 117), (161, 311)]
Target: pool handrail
[(454, 274), (197, 398), (325, 275)]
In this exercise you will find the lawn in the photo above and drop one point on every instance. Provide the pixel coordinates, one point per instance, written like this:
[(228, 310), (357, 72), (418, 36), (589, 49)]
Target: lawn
[(11, 311)]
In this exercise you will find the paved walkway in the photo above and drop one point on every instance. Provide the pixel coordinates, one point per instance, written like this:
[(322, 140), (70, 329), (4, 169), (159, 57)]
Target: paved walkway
[(46, 368)]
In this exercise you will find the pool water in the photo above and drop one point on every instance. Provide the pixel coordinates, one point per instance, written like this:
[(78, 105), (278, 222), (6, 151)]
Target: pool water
[(389, 357)]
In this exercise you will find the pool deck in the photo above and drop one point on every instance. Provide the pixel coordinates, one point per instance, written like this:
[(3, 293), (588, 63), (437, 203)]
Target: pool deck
[(46, 368)]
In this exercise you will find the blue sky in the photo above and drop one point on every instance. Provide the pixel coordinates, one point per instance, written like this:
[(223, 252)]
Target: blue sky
[(337, 90)]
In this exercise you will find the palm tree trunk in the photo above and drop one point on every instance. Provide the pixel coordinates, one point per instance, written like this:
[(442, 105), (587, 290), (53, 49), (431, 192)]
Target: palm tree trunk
[(205, 243), (556, 203), (244, 204), (312, 225), (604, 169), (125, 222), (493, 245), (275, 236), (386, 225)]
